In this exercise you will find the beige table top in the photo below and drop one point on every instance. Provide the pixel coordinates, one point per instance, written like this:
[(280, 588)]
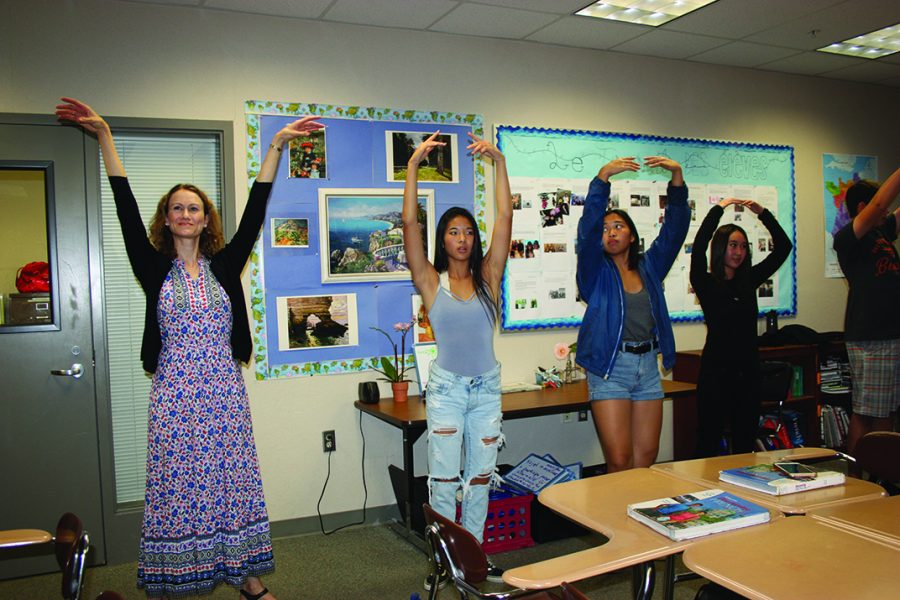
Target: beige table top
[(599, 503), (705, 471), (798, 558), (11, 538), (878, 518)]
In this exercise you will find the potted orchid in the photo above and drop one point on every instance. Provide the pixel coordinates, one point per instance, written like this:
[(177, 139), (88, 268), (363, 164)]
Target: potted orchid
[(563, 351), (395, 371)]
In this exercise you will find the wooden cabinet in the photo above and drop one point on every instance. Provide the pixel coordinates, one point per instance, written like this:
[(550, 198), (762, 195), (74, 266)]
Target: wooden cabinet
[(687, 368)]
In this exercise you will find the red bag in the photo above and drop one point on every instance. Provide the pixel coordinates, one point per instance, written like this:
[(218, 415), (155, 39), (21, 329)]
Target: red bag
[(33, 277)]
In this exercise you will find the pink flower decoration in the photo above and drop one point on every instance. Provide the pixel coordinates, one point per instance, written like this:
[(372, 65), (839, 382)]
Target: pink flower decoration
[(561, 350), (402, 326)]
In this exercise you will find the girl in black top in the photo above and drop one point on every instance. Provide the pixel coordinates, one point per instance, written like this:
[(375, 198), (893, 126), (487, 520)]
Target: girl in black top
[(728, 386)]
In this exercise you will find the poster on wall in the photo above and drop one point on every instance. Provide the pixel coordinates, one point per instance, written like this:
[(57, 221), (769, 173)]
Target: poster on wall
[(335, 236), (839, 172), (550, 171)]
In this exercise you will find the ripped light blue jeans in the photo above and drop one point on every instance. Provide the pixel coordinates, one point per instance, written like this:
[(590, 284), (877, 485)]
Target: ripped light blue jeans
[(462, 413)]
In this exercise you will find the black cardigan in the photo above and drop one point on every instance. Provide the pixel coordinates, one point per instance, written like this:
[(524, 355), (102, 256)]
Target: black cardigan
[(151, 267)]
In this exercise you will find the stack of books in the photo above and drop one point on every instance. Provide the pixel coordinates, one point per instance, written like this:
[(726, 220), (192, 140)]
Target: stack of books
[(769, 480), (834, 375), (834, 423), (697, 514)]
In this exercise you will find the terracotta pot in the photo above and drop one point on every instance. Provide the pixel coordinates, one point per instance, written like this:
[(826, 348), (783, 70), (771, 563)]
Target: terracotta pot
[(400, 390)]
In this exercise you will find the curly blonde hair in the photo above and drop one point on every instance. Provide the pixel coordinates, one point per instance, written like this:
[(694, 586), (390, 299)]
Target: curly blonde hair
[(211, 239)]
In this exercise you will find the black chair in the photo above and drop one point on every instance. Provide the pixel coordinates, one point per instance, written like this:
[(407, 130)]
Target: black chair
[(878, 454), (70, 545), (456, 551)]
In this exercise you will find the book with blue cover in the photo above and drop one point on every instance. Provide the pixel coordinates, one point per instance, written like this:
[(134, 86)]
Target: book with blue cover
[(697, 514), (769, 480)]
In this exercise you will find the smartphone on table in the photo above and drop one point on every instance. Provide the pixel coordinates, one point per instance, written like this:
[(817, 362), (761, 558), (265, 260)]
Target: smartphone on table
[(796, 470)]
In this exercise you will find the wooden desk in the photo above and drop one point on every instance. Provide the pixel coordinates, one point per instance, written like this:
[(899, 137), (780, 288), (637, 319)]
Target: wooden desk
[(600, 503), (409, 417), (798, 558), (705, 471), (878, 519)]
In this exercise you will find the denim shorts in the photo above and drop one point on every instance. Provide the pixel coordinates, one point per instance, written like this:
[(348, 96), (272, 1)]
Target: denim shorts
[(633, 377)]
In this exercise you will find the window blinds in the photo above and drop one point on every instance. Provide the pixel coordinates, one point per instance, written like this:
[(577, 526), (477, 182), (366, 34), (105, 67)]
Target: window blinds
[(154, 163)]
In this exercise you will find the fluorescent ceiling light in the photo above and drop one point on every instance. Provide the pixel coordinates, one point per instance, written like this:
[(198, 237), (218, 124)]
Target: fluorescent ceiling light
[(872, 45), (644, 12)]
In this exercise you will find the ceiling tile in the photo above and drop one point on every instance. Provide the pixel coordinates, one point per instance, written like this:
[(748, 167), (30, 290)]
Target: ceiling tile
[(869, 70), (834, 24), (669, 44), (810, 63), (743, 54), (893, 81), (302, 9), (558, 7), (584, 32), (410, 14), (492, 21), (736, 19)]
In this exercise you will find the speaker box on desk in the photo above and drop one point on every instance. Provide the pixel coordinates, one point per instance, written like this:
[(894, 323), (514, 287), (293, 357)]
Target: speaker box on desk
[(368, 392)]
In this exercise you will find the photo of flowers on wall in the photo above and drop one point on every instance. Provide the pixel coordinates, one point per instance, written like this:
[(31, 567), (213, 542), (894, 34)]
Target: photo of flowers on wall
[(306, 322), (361, 234), (290, 233), (307, 156), (438, 167)]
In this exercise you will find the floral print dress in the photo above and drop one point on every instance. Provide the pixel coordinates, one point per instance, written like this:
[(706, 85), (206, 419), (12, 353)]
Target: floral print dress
[(205, 517)]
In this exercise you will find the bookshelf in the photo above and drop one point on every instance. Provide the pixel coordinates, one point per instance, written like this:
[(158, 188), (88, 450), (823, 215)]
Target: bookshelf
[(687, 368)]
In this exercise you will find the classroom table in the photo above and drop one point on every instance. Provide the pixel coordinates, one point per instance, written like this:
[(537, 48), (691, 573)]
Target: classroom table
[(409, 417), (600, 504), (798, 558), (705, 471), (878, 519)]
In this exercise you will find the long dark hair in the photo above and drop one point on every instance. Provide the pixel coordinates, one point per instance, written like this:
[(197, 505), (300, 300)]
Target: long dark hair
[(476, 258), (720, 245), (634, 249)]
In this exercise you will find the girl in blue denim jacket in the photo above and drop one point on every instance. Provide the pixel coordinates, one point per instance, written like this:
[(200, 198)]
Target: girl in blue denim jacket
[(626, 323)]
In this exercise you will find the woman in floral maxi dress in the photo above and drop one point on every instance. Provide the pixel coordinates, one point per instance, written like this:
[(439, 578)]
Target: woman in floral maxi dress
[(205, 517)]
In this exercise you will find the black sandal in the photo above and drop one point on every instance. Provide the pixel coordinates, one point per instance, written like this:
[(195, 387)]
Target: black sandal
[(250, 596)]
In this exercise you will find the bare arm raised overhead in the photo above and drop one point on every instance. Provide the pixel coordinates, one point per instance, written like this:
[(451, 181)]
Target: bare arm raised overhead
[(495, 259), (424, 275)]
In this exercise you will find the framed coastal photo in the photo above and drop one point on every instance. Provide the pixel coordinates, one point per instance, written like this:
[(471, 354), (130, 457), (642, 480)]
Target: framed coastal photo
[(439, 167), (317, 322), (307, 156), (361, 235), (290, 233)]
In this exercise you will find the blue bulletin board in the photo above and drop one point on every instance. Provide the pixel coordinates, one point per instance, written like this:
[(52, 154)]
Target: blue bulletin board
[(353, 165), (550, 170)]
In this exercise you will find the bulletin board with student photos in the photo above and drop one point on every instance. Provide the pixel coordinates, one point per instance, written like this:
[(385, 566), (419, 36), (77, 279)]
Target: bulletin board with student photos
[(549, 172), (329, 265)]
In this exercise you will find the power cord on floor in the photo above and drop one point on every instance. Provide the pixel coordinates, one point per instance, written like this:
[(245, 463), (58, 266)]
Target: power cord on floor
[(365, 489)]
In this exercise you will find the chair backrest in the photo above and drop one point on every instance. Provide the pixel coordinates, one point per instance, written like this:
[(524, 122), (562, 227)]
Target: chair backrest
[(465, 553), (71, 547), (775, 380), (877, 454)]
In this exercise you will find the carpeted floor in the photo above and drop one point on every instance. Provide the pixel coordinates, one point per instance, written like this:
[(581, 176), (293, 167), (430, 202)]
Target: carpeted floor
[(368, 562)]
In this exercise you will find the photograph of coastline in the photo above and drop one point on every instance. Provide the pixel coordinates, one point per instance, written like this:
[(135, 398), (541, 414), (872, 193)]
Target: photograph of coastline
[(361, 234), (317, 321)]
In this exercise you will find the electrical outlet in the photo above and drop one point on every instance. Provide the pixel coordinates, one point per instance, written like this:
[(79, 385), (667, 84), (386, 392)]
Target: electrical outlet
[(582, 415), (329, 443)]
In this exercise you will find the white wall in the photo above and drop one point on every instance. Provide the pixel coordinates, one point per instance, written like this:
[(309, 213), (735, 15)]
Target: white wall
[(133, 59)]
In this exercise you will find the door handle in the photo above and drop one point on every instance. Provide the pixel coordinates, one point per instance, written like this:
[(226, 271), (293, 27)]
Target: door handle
[(76, 371)]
